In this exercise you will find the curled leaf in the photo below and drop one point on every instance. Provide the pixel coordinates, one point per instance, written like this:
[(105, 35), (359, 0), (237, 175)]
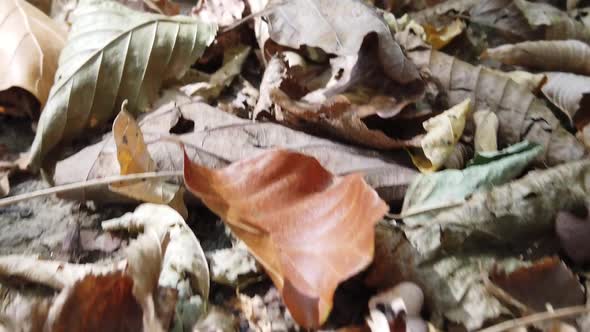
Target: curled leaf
[(554, 23), (310, 229), (571, 93), (112, 54)]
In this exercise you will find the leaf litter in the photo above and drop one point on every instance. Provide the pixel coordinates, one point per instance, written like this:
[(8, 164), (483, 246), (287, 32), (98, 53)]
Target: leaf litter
[(374, 165)]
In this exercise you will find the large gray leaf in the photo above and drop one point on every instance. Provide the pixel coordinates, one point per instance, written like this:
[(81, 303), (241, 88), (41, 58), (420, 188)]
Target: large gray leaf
[(113, 54), (338, 27)]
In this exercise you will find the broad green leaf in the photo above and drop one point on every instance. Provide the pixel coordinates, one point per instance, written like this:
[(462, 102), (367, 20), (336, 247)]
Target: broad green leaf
[(431, 192), (113, 54)]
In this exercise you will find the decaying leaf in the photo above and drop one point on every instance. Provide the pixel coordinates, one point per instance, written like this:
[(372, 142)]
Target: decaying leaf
[(134, 157), (298, 220), (218, 138), (323, 24), (572, 229), (229, 265), (219, 12), (113, 54), (521, 115), (486, 129), (555, 23), (550, 55), (31, 43), (442, 134), (533, 82), (428, 14), (571, 93), (439, 38), (505, 20), (547, 282)]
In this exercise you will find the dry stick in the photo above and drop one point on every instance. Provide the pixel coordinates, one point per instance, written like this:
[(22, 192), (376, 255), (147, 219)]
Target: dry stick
[(536, 318), (88, 184)]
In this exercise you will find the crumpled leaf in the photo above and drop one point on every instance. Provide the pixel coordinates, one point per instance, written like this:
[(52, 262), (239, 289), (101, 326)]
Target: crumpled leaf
[(551, 55), (219, 138), (555, 23), (505, 20), (571, 93), (547, 282), (442, 134), (430, 193), (220, 12), (521, 115), (325, 24), (439, 38), (486, 129), (31, 43), (233, 60), (230, 265), (503, 214), (113, 54), (184, 265), (298, 220), (134, 157)]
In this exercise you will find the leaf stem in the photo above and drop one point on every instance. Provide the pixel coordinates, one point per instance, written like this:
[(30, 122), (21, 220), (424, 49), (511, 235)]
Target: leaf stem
[(87, 184), (538, 317)]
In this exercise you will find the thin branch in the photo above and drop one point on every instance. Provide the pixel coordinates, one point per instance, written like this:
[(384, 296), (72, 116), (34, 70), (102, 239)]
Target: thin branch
[(536, 318), (88, 184)]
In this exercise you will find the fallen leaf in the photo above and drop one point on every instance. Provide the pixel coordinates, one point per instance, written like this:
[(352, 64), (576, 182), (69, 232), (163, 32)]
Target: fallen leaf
[(102, 65), (230, 265), (442, 134), (533, 82), (439, 38), (504, 19), (547, 282), (219, 12), (572, 229), (218, 320), (95, 241), (134, 157), (555, 24), (286, 207), (521, 115), (164, 7), (553, 55), (486, 129), (219, 138), (430, 193), (274, 74), (31, 46), (321, 23), (427, 15), (571, 93), (264, 312)]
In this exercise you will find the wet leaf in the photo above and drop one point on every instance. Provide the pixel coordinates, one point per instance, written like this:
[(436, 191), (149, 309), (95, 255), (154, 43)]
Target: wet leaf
[(309, 229), (106, 60), (134, 157), (31, 44), (571, 93), (556, 55), (217, 139), (323, 24)]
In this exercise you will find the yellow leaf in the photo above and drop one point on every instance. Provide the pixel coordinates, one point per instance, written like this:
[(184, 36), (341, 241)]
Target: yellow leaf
[(440, 37)]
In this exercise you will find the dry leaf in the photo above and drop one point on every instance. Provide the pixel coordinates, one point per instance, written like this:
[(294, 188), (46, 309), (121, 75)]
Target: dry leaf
[(555, 55), (288, 209), (521, 115), (554, 23), (430, 14), (325, 24), (440, 37), (220, 12), (31, 44), (571, 93), (229, 265), (442, 134), (164, 7), (134, 157), (219, 138), (533, 82), (102, 65), (486, 129), (572, 229), (274, 74), (547, 282), (504, 19), (24, 313)]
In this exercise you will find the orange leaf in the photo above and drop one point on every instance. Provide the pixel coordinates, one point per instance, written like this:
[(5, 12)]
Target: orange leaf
[(310, 229)]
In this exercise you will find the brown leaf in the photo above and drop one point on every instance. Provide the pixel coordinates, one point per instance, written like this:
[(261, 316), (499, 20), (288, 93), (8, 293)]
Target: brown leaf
[(323, 24), (573, 230), (571, 93), (440, 37), (220, 12), (288, 209), (554, 23), (31, 43), (506, 20), (432, 13), (521, 115), (547, 281), (134, 157), (555, 55), (218, 138)]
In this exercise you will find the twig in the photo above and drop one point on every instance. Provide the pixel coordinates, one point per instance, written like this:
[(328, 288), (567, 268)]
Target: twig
[(536, 318), (88, 184)]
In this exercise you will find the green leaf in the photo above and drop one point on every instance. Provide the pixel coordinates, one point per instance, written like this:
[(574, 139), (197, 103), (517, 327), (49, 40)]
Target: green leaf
[(451, 187), (113, 54)]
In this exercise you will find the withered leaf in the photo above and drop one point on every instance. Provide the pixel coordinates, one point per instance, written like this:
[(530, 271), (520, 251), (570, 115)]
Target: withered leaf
[(550, 55), (555, 24), (311, 230), (571, 93), (572, 229), (486, 129), (325, 24), (521, 115), (220, 12), (218, 138), (31, 44)]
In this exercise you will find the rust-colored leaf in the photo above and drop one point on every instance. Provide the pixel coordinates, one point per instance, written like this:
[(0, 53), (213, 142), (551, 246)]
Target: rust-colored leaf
[(310, 229)]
